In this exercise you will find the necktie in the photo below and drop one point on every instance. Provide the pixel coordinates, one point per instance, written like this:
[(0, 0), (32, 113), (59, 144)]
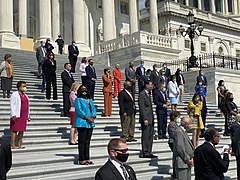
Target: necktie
[(125, 174)]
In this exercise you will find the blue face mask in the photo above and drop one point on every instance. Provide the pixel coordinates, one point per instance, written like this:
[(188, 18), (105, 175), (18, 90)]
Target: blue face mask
[(163, 89)]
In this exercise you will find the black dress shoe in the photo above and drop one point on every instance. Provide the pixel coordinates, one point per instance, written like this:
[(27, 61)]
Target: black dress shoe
[(144, 156), (164, 137), (160, 137), (132, 140), (152, 156)]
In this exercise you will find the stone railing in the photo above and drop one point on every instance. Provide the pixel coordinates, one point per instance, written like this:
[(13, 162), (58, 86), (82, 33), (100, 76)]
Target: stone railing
[(134, 39)]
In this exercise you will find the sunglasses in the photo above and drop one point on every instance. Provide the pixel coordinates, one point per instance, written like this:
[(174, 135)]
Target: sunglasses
[(121, 150)]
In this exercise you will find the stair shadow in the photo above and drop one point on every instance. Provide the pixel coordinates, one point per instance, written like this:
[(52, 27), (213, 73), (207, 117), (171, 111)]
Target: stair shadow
[(113, 130), (75, 156), (65, 134), (162, 169)]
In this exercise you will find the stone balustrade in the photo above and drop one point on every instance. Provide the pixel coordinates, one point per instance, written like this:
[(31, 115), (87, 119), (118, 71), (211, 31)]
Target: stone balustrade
[(139, 37)]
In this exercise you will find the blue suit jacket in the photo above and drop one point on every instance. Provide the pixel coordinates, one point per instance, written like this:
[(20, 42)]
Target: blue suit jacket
[(82, 108), (159, 101), (90, 72)]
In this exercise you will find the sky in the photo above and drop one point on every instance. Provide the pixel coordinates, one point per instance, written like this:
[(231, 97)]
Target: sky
[(141, 3)]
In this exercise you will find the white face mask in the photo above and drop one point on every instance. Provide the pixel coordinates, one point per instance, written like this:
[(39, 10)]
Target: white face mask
[(178, 121), (24, 89)]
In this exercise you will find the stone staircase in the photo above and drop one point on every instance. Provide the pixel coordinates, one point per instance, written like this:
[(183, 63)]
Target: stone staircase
[(47, 154)]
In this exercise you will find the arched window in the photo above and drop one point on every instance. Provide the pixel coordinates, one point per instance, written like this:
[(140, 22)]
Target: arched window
[(220, 51)]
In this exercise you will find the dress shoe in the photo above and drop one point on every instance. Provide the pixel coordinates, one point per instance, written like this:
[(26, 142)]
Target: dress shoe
[(160, 137), (152, 156), (132, 140), (144, 156), (70, 143), (164, 137)]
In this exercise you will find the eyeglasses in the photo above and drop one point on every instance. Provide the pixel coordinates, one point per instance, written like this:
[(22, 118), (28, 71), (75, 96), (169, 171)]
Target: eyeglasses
[(121, 150)]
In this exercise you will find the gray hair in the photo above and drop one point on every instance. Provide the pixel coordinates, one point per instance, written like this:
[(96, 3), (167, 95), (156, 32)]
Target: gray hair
[(237, 118)]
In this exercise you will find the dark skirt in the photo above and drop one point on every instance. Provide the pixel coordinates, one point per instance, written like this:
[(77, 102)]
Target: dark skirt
[(6, 84)]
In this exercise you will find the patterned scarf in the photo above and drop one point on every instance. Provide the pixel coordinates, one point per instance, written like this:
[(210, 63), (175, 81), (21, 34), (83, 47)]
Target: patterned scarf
[(9, 69)]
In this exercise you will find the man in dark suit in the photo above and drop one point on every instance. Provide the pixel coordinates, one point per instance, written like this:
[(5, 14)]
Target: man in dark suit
[(40, 55), (160, 100), (60, 43), (127, 112), (73, 53), (183, 150), (90, 78), (207, 160), (67, 81), (166, 71), (5, 158), (146, 119), (115, 168), (140, 73), (202, 78), (130, 76), (154, 76), (235, 136)]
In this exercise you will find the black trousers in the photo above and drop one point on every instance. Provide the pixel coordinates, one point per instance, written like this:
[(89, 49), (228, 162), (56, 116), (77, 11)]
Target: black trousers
[(238, 167), (73, 62), (84, 137), (66, 103), (60, 49), (51, 80), (91, 87), (204, 114), (84, 78), (162, 123), (147, 139)]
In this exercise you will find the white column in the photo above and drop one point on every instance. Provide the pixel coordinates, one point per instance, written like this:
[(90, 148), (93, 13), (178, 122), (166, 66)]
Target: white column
[(78, 22), (187, 2), (45, 24), (133, 13), (199, 4), (238, 5), (55, 19), (226, 7), (213, 6), (86, 23), (223, 7), (154, 16), (7, 37), (235, 7), (22, 7), (109, 26)]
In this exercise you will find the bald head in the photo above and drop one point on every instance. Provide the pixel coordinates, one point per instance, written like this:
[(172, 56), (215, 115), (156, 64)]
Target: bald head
[(237, 118), (185, 121)]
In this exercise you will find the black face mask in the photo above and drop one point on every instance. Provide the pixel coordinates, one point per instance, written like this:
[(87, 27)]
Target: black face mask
[(231, 99), (91, 63), (122, 157)]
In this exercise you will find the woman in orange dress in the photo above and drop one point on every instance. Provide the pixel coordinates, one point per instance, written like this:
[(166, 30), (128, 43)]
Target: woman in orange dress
[(107, 92), (117, 74)]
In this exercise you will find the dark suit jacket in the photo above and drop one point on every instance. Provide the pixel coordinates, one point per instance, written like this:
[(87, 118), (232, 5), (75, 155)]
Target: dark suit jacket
[(67, 81), (39, 54), (139, 74), (178, 79), (49, 68), (159, 101), (145, 108), (235, 136), (109, 172), (167, 72), (204, 80), (5, 158), (208, 163), (130, 74), (72, 51), (154, 78), (126, 104), (90, 73)]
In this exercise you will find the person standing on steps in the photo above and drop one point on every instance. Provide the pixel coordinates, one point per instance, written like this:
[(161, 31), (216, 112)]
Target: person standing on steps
[(91, 78), (7, 73), (5, 158), (50, 73), (19, 114), (82, 70), (115, 168), (107, 92), (84, 117), (40, 55), (117, 74), (67, 81), (130, 76), (48, 46), (60, 43), (140, 73), (73, 53), (127, 112)]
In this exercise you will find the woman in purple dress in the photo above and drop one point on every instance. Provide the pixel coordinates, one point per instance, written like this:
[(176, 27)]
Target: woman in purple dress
[(19, 114)]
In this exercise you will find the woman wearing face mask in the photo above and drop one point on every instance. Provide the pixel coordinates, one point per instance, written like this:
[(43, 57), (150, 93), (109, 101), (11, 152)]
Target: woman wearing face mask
[(84, 117), (50, 72), (72, 97), (173, 92), (7, 72), (175, 121), (19, 114), (232, 111), (220, 89), (194, 112)]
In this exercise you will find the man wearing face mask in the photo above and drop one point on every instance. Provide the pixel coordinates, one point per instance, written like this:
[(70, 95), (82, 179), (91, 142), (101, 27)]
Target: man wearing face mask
[(130, 76), (146, 119), (183, 150), (127, 112), (160, 100), (19, 114), (207, 160), (91, 78), (140, 73), (115, 168), (202, 78), (73, 53), (154, 76)]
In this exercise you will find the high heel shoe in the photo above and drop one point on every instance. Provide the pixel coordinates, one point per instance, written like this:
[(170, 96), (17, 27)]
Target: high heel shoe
[(83, 163)]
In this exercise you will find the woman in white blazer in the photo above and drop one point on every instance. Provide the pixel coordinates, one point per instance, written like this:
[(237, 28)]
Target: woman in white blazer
[(173, 91), (19, 114)]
